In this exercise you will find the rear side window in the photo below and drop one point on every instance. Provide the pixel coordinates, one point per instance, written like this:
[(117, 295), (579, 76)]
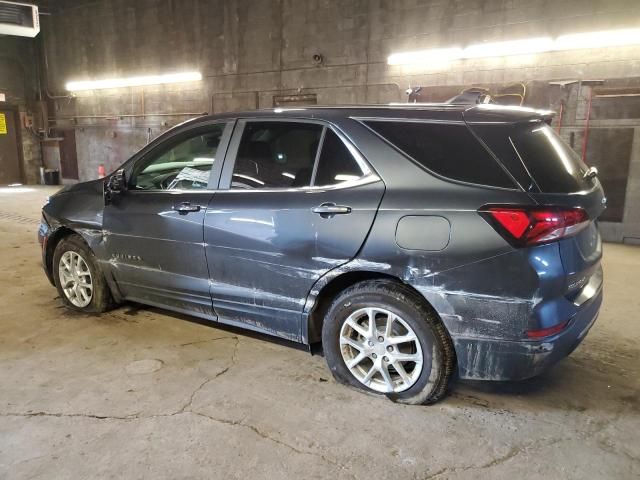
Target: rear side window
[(276, 155), (449, 150), (336, 163), (554, 166)]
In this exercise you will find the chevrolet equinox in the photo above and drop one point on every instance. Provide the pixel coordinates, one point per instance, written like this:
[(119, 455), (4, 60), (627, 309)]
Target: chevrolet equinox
[(415, 243)]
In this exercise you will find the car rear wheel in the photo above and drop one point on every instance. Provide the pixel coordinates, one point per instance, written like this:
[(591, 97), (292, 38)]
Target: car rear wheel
[(79, 280), (381, 337)]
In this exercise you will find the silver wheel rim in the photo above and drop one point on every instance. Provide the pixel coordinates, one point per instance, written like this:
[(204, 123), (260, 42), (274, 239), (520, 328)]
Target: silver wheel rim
[(381, 350), (75, 279)]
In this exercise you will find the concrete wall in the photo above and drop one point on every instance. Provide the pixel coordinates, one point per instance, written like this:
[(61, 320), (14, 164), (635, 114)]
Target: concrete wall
[(18, 81), (252, 50)]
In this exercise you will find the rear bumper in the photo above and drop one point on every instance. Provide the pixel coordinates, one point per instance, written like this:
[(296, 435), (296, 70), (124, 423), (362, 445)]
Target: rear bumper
[(494, 359)]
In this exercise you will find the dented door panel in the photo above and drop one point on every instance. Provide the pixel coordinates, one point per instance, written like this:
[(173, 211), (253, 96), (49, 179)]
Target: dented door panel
[(266, 249), (156, 253)]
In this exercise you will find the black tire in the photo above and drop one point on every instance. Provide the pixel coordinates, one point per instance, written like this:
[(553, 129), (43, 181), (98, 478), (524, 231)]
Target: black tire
[(432, 382), (101, 299)]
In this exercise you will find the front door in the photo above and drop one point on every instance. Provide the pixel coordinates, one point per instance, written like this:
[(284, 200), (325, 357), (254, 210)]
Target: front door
[(154, 229), (297, 202), (9, 156)]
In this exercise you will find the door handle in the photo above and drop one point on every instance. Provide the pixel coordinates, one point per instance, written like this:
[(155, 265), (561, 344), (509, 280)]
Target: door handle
[(328, 210), (186, 207)]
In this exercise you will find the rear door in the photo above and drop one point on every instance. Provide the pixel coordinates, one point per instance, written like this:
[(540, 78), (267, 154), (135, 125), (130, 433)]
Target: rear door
[(296, 200)]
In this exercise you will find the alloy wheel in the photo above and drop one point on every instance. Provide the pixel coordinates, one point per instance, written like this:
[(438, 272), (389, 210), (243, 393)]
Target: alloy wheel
[(75, 279), (381, 350)]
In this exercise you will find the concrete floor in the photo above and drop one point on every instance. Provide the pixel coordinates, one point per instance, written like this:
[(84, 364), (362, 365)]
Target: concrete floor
[(139, 393)]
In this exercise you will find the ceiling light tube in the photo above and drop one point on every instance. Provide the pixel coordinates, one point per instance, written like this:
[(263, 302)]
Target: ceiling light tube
[(426, 56), (133, 81), (505, 49), (528, 46), (607, 38)]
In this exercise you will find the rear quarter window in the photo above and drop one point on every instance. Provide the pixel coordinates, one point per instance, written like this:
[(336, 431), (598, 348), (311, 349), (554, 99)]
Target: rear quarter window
[(552, 163), (448, 150), (336, 164)]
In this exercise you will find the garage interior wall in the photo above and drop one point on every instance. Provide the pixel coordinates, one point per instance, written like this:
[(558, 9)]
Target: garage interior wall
[(18, 82), (260, 53)]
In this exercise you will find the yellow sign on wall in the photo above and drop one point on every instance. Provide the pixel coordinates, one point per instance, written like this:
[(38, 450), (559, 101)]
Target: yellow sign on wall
[(3, 124)]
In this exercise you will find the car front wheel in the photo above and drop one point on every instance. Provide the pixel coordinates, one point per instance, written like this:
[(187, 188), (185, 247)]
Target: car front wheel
[(78, 278), (380, 336)]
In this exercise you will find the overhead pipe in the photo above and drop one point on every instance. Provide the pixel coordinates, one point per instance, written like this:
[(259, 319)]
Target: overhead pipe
[(585, 135), (45, 59), (560, 115), (128, 115), (562, 84)]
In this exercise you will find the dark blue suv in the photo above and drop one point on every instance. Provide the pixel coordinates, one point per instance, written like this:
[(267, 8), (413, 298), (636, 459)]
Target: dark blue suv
[(413, 242)]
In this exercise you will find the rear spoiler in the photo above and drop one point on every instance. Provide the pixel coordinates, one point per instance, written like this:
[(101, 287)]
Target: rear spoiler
[(491, 113)]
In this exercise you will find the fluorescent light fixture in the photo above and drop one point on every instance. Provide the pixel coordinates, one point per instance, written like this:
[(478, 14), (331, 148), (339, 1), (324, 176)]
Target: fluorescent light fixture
[(505, 49), (425, 56), (607, 38), (527, 46), (134, 81)]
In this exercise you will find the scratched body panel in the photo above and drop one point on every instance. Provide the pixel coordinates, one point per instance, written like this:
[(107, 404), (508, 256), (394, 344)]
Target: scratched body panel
[(266, 250)]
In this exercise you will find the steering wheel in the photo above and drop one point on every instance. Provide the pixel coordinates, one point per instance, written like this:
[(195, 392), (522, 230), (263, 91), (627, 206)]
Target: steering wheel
[(165, 180)]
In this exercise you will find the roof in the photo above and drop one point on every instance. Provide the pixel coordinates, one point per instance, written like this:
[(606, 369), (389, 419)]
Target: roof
[(420, 111)]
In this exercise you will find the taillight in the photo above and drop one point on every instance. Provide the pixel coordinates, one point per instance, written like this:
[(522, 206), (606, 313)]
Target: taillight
[(547, 332), (523, 226)]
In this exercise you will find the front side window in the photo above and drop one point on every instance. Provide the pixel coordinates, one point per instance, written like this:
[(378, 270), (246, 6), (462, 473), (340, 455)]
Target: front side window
[(276, 155), (185, 165)]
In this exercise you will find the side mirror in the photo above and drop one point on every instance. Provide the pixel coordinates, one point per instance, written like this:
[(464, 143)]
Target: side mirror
[(115, 184)]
